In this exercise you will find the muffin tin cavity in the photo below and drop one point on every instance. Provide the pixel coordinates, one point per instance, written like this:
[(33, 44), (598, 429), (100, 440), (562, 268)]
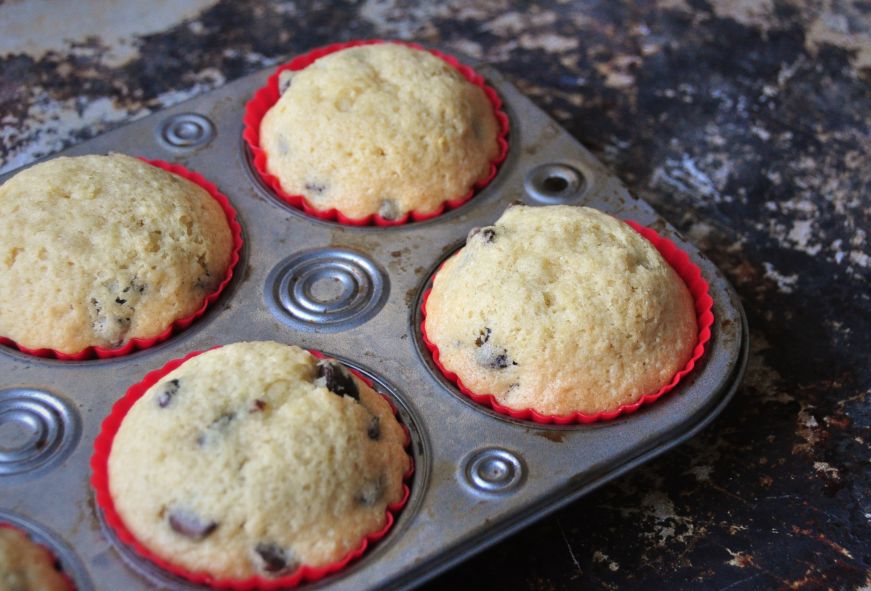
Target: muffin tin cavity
[(424, 201), (37, 430), (553, 184), (493, 471), (418, 448), (185, 131), (122, 230), (326, 290), (69, 563)]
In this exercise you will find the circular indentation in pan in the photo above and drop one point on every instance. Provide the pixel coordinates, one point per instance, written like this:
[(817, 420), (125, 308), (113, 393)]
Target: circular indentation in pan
[(419, 448), (69, 562), (326, 290), (552, 184), (493, 471), (186, 131), (37, 429)]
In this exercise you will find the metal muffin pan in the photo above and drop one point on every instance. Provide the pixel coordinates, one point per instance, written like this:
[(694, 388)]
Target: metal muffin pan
[(354, 293)]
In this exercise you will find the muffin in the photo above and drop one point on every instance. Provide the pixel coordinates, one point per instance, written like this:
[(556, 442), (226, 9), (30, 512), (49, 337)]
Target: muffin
[(98, 250), (379, 129), (255, 459), (27, 566), (560, 310)]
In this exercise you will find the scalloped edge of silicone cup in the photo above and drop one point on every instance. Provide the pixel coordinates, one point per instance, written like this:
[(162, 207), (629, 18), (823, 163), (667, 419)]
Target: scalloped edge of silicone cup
[(179, 325), (100, 483), (689, 273), (266, 96)]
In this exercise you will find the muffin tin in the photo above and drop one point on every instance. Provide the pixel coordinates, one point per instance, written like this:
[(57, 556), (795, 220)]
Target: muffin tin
[(353, 293)]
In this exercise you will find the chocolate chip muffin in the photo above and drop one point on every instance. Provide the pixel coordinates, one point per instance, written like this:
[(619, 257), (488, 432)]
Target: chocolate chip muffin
[(27, 566), (560, 309), (379, 129), (254, 459), (97, 250)]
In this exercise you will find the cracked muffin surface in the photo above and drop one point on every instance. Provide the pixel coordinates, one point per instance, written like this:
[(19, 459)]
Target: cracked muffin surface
[(379, 129), (256, 458), (96, 250), (560, 309), (27, 566)]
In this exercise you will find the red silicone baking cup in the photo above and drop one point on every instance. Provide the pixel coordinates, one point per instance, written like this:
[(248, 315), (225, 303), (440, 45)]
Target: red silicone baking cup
[(51, 555), (136, 344), (100, 482), (692, 277), (268, 95)]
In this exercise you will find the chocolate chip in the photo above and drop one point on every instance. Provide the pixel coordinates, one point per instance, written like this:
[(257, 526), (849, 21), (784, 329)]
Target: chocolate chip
[(285, 78), (257, 406), (493, 357), (334, 377), (371, 492), (275, 559), (487, 234), (133, 284), (373, 430), (190, 525), (315, 187), (483, 336), (120, 301), (170, 389), (388, 210), (502, 361)]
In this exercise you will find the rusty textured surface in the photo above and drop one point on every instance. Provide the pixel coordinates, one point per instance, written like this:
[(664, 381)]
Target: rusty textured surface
[(745, 123)]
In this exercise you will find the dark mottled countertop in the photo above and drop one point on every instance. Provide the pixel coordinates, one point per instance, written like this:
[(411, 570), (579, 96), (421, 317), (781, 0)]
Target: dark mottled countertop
[(744, 122)]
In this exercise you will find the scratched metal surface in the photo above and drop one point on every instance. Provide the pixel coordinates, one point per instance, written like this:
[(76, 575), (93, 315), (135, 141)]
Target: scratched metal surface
[(526, 470)]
